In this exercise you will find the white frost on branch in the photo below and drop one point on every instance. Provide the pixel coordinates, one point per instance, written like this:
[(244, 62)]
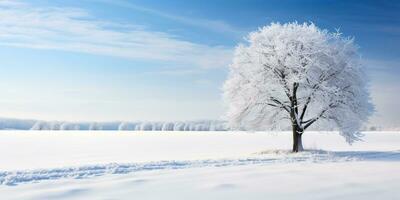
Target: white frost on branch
[(297, 74)]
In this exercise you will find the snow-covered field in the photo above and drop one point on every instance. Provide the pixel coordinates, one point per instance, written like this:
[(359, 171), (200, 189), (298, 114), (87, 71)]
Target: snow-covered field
[(196, 165)]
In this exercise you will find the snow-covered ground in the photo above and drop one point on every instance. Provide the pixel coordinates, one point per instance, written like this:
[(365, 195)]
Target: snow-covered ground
[(196, 165)]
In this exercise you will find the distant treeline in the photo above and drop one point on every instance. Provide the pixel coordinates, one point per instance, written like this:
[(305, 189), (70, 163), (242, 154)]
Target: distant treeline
[(200, 125)]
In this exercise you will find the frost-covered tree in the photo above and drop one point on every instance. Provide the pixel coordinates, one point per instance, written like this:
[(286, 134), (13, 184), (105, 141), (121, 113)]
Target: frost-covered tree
[(298, 76), (95, 126), (40, 125)]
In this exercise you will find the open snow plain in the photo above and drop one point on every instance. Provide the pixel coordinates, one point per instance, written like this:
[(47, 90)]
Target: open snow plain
[(196, 165)]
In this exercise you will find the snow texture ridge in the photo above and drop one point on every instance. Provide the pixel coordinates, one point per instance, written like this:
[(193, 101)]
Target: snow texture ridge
[(11, 178)]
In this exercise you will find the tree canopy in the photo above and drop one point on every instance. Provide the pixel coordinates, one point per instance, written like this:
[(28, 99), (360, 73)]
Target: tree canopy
[(293, 74)]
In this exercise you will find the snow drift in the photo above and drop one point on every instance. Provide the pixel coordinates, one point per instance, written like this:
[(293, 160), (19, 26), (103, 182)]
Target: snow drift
[(12, 178)]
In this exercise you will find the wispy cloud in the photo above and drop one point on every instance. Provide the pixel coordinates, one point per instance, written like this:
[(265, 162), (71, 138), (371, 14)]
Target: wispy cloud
[(180, 72), (10, 3), (207, 24), (73, 29)]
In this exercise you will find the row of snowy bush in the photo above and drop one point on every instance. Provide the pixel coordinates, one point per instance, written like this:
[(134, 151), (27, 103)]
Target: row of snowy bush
[(201, 125)]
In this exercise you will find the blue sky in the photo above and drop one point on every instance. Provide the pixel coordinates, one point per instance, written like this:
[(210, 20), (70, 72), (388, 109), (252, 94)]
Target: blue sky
[(164, 60)]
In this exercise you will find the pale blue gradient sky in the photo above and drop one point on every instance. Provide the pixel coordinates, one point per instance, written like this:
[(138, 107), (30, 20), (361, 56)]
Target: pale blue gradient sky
[(164, 60)]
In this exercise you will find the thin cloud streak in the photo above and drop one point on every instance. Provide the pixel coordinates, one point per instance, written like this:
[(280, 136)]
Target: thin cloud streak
[(212, 25), (71, 29)]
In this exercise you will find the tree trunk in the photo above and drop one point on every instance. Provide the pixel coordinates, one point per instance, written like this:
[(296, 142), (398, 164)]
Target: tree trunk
[(297, 130), (297, 143)]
